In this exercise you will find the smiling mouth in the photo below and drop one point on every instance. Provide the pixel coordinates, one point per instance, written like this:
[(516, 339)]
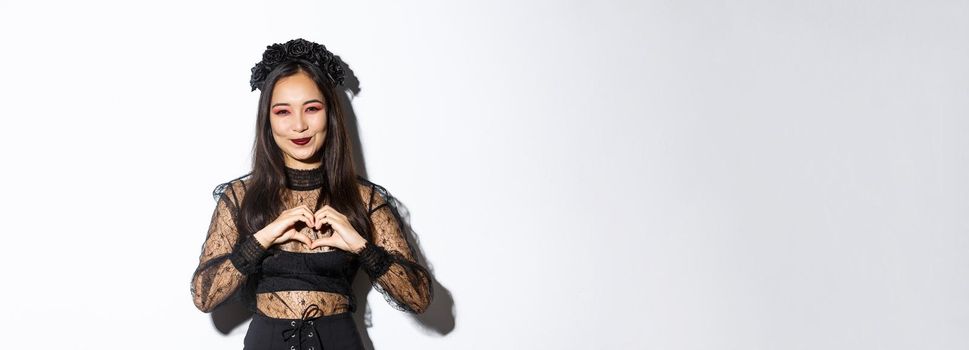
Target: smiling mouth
[(302, 141)]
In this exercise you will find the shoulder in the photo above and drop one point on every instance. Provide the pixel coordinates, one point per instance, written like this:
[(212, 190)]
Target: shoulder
[(372, 194), (232, 190)]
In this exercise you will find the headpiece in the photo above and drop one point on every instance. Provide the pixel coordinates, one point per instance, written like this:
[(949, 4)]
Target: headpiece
[(299, 48)]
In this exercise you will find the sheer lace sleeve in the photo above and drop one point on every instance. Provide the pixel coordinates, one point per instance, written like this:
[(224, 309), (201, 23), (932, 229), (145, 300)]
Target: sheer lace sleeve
[(389, 260), (225, 261)]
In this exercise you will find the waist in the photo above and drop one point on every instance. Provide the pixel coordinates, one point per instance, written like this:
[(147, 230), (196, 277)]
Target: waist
[(292, 321), (292, 304)]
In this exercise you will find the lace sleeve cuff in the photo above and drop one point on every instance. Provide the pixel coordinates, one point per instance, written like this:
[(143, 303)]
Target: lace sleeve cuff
[(248, 255), (375, 260)]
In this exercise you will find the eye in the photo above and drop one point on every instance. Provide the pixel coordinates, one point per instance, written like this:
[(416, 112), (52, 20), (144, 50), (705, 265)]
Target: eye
[(282, 112), (313, 109)]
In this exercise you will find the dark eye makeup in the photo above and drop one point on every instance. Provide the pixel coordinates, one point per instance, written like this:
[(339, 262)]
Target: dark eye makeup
[(310, 108)]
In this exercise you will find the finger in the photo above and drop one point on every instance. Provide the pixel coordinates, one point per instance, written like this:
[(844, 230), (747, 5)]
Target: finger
[(328, 241), (320, 218), (302, 215), (296, 208), (333, 212), (309, 214), (326, 210), (300, 210), (336, 225), (329, 217), (299, 236), (284, 237)]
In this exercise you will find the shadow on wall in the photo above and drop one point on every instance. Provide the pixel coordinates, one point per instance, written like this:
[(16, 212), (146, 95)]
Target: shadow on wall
[(439, 318)]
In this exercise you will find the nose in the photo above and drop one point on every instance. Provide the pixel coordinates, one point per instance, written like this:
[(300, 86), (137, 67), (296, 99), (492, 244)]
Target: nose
[(300, 124)]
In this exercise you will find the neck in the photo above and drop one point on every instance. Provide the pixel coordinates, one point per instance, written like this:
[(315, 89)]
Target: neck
[(305, 179), (303, 166)]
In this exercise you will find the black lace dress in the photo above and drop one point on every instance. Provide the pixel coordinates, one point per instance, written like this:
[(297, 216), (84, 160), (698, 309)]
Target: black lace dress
[(288, 284)]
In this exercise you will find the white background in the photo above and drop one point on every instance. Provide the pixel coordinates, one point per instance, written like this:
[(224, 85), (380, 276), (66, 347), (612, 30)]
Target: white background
[(632, 175)]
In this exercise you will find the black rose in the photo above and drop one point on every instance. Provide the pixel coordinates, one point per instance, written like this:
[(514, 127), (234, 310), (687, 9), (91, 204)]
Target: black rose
[(319, 56), (258, 75), (273, 54), (325, 54), (335, 71), (298, 48)]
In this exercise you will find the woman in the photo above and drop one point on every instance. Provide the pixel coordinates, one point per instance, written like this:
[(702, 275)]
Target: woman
[(291, 234)]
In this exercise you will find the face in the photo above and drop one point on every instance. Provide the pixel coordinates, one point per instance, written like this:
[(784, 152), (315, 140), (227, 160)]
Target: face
[(297, 112)]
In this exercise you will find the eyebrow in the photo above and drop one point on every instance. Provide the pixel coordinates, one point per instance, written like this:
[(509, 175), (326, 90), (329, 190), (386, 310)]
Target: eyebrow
[(304, 103)]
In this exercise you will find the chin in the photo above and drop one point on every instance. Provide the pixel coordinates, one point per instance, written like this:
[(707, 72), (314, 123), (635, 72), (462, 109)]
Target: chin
[(303, 155)]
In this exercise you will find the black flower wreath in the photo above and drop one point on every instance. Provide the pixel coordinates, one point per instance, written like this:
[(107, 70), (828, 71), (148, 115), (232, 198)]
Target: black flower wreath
[(297, 49)]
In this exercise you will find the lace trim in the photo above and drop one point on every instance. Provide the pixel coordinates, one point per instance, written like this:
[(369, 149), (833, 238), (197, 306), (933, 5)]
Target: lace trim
[(375, 260), (247, 256), (304, 179)]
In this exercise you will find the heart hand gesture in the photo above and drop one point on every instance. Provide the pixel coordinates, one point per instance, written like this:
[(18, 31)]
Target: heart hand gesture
[(345, 237), (283, 228)]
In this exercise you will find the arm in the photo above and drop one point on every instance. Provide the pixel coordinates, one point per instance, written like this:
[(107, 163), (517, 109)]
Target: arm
[(225, 262), (389, 260)]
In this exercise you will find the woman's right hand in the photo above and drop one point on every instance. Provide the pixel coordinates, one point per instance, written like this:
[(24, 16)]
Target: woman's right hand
[(283, 228)]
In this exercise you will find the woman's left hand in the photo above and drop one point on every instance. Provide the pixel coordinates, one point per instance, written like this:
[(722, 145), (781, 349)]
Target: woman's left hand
[(344, 237)]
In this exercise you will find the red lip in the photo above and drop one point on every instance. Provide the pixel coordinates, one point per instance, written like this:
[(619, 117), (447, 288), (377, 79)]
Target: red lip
[(301, 141)]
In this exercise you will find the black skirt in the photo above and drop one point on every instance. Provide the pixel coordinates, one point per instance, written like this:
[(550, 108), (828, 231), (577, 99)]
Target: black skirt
[(329, 332)]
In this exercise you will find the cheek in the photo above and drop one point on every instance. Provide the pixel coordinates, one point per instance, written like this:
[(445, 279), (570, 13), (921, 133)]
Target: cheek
[(276, 127), (320, 121), (321, 126), (278, 133)]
